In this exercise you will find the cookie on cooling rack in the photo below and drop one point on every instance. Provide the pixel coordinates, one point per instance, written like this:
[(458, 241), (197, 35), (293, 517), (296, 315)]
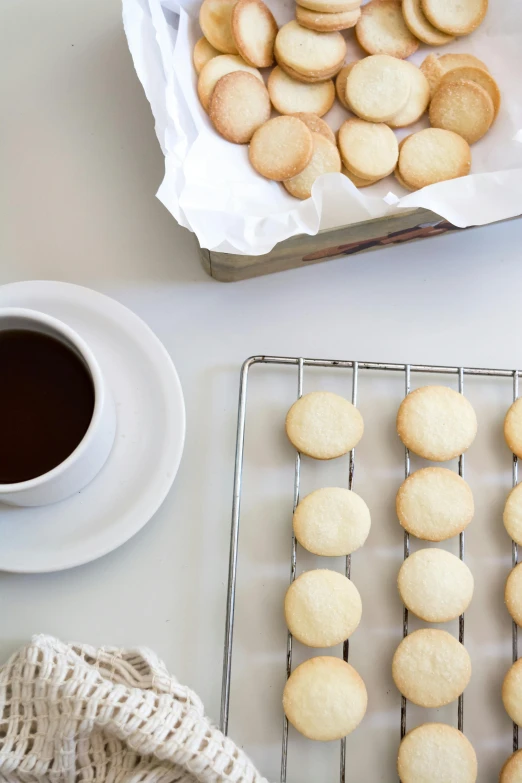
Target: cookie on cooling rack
[(332, 522), (324, 425), (512, 692), (513, 594), (436, 753), (511, 772), (435, 585), (513, 427), (513, 514)]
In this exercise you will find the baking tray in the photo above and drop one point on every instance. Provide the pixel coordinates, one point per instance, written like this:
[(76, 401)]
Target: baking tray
[(369, 754)]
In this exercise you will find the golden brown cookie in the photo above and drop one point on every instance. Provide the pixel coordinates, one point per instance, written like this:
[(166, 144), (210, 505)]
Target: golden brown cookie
[(397, 175), (326, 22), (462, 107), (325, 699), (281, 148), (203, 52), (340, 84), (382, 30), (368, 149), (435, 422), (513, 514), (436, 753), (513, 594), (433, 155), (435, 585), (458, 59), (332, 522), (417, 102), (325, 160), (215, 69), (239, 105), (455, 18), (419, 25), (481, 77), (322, 608), (215, 19), (359, 182), (511, 772), (321, 424), (330, 6), (378, 88), (290, 96), (512, 692), (254, 29), (308, 52), (316, 125), (513, 427), (433, 71), (431, 668), (434, 504)]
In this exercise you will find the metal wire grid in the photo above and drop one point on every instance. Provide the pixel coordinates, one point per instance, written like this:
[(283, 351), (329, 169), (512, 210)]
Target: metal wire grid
[(355, 366)]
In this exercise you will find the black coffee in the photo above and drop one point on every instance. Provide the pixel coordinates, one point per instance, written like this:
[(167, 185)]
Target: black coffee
[(46, 404)]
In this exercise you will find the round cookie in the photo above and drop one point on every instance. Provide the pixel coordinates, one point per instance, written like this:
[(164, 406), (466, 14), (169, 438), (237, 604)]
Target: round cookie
[(420, 27), (203, 52), (326, 22), (325, 160), (290, 96), (378, 88), (472, 73), (513, 514), (281, 148), (215, 19), (417, 102), (340, 84), (332, 522), (463, 107), (325, 699), (324, 425), (431, 668), (308, 52), (382, 30), (254, 29), (513, 427), (512, 692), (433, 155), (458, 59), (511, 772), (436, 753), (330, 6), (217, 67), (322, 608), (433, 71), (435, 422), (359, 182), (513, 594), (316, 125), (434, 504), (455, 18), (368, 149), (435, 585), (239, 105)]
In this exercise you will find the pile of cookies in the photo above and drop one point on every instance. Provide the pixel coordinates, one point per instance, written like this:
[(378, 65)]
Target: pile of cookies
[(384, 91)]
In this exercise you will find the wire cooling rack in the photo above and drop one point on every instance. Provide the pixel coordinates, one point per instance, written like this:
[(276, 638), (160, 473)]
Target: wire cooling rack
[(356, 367)]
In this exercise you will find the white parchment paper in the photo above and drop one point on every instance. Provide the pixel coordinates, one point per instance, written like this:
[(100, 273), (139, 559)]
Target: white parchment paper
[(210, 187)]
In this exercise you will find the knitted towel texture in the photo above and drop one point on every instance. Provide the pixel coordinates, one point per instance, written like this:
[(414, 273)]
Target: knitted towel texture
[(74, 713)]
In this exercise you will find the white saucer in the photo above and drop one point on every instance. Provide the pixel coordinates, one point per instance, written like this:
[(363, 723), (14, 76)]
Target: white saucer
[(149, 437)]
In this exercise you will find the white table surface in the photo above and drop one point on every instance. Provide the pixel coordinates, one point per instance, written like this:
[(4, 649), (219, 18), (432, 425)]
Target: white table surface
[(80, 174)]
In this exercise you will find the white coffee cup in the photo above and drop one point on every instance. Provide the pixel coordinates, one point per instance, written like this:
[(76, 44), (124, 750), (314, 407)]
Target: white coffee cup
[(89, 456)]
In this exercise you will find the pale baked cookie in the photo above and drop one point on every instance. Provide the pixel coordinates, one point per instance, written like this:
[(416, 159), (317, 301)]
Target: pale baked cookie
[(513, 514), (513, 427), (239, 105), (434, 504), (511, 772), (215, 69), (340, 84), (324, 425), (435, 585), (370, 150), (433, 71), (281, 148), (203, 52), (513, 594), (435, 422), (417, 102), (436, 753), (458, 59), (316, 125), (290, 96), (397, 175), (431, 668), (378, 88), (359, 182), (464, 108), (330, 6), (472, 73), (455, 18), (308, 52), (512, 692), (325, 698), (215, 19), (332, 522), (326, 22), (325, 160), (433, 155), (382, 30), (322, 608), (254, 29), (420, 27), (309, 78)]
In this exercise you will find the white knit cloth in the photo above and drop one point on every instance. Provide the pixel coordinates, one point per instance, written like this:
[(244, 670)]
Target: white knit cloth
[(73, 713)]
